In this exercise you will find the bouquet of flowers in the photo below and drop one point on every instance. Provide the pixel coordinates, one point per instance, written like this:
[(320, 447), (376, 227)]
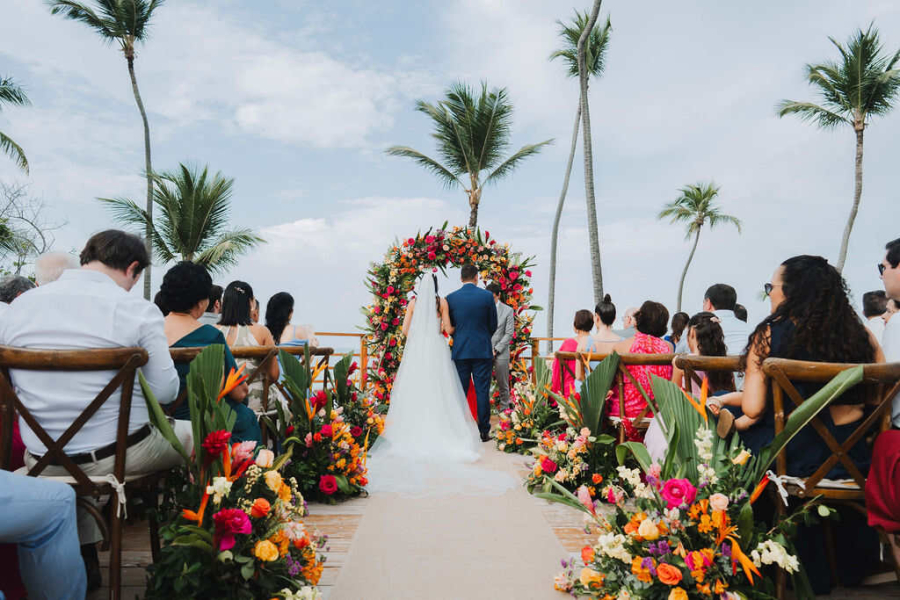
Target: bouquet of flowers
[(246, 538), (686, 529), (325, 456), (361, 411), (520, 428)]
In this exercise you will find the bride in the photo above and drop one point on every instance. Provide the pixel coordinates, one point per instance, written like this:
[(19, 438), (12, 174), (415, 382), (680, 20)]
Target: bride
[(430, 437)]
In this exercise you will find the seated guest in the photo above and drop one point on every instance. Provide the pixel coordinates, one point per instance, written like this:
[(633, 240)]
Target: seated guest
[(889, 268), (705, 338), (91, 307), (720, 299), (14, 286), (39, 516), (604, 317), (239, 330), (185, 291), (874, 306), (49, 266), (160, 301), (811, 319), (740, 311), (254, 311), (651, 324), (882, 491), (279, 312), (214, 309), (564, 374), (679, 322), (628, 321)]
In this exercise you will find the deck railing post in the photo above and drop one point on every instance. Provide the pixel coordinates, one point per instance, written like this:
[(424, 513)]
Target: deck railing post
[(535, 355), (363, 362)]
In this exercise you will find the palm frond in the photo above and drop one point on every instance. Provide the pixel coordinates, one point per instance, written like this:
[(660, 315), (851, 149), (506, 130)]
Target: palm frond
[(490, 129), (807, 111), (78, 11), (513, 161), (134, 217), (12, 93), (14, 151), (443, 173), (225, 250), (597, 44)]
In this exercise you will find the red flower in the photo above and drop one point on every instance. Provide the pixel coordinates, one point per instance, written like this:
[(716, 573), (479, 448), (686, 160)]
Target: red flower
[(327, 431), (492, 242), (410, 241), (377, 310), (528, 273), (215, 444), (384, 326), (547, 465), (289, 430), (320, 400), (317, 437), (390, 289), (562, 437), (513, 275), (392, 343), (396, 321), (352, 369), (327, 485), (388, 356), (230, 521), (517, 287), (429, 239), (356, 431), (353, 396), (432, 256), (487, 234)]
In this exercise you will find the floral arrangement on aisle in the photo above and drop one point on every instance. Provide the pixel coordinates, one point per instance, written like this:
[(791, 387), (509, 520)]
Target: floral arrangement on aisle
[(327, 460), (533, 413), (437, 249), (361, 411), (686, 529), (243, 537)]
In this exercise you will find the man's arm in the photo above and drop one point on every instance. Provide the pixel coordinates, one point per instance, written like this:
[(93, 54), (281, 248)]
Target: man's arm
[(492, 315), (509, 330), (160, 370)]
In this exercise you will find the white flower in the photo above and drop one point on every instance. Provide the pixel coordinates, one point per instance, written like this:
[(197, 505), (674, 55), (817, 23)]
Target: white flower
[(632, 476), (703, 442), (561, 476), (613, 546), (502, 446), (219, 489), (305, 593), (562, 446), (624, 594), (673, 514), (771, 552)]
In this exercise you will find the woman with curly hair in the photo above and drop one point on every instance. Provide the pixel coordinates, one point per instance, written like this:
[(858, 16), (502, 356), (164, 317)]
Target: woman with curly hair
[(812, 320)]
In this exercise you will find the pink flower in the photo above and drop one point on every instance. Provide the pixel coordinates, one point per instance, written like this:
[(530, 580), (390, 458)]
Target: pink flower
[(326, 431), (308, 440), (384, 326), (429, 239), (547, 465), (432, 256), (513, 275), (411, 241), (242, 451), (377, 310), (584, 496), (230, 521), (655, 471), (395, 321), (528, 273), (678, 492), (390, 289), (718, 501)]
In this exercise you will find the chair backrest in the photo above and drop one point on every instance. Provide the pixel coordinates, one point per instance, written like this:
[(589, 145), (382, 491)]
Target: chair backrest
[(125, 361), (691, 365), (882, 383)]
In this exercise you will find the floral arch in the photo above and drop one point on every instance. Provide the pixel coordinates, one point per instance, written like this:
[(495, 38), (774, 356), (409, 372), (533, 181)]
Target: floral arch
[(432, 251)]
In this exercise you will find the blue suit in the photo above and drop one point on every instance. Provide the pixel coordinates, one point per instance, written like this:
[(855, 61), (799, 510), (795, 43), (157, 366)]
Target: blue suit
[(474, 315)]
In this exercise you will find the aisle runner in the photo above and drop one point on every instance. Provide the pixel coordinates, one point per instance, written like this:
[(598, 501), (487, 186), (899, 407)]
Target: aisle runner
[(453, 547)]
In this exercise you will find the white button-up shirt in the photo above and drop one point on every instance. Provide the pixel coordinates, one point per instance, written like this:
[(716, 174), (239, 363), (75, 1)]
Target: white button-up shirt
[(85, 309)]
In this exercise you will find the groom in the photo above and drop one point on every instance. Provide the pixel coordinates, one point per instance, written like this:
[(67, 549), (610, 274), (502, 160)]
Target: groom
[(474, 316)]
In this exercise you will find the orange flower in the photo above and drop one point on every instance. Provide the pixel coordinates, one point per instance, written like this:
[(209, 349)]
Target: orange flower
[(597, 478), (284, 492), (704, 589), (197, 516), (233, 380), (720, 587), (668, 574), (642, 573), (260, 508), (587, 555), (759, 489)]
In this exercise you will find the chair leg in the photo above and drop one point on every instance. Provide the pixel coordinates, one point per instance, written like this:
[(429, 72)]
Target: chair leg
[(115, 555), (830, 554), (152, 500), (781, 585)]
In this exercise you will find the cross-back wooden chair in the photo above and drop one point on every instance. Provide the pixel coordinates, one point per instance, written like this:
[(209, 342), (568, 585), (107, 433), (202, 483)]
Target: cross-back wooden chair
[(125, 362), (692, 365), (882, 383)]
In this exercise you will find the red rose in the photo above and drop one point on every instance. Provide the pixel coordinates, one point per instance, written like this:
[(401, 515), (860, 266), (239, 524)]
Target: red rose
[(396, 321), (388, 356), (410, 241), (429, 239), (384, 326), (215, 444), (513, 275), (353, 396), (487, 234), (528, 273), (326, 431), (390, 289), (432, 256), (517, 287), (547, 465), (328, 484), (392, 343), (377, 310), (320, 400), (562, 437), (356, 431)]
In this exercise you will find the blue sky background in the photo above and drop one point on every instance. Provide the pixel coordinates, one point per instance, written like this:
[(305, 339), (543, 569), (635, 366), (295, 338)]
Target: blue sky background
[(297, 101)]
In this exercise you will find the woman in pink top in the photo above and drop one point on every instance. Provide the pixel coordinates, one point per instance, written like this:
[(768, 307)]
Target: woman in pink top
[(651, 323)]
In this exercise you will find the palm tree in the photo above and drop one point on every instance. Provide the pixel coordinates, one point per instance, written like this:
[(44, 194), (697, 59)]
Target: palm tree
[(862, 85), (472, 134), (10, 93), (696, 207), (193, 214), (124, 22), (595, 63)]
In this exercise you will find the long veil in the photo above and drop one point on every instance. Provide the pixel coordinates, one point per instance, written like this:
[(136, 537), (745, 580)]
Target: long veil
[(430, 438)]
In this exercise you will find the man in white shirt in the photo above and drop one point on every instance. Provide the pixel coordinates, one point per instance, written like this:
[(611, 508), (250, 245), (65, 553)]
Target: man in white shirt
[(720, 300), (889, 268), (503, 335), (91, 307), (874, 306)]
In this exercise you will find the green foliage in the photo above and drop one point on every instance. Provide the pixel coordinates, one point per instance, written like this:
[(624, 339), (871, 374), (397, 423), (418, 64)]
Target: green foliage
[(14, 95), (123, 21), (588, 411), (595, 47), (696, 206), (192, 219)]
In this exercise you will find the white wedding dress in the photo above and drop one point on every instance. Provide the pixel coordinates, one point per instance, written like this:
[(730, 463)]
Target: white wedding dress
[(430, 439)]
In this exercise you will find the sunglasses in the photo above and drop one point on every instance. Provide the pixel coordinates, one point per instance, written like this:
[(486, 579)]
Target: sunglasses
[(881, 268), (767, 288)]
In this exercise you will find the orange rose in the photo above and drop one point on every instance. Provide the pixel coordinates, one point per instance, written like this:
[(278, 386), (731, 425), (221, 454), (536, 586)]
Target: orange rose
[(260, 508), (597, 478), (668, 574), (587, 555)]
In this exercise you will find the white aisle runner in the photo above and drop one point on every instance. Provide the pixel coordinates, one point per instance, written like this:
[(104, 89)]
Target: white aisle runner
[(453, 547)]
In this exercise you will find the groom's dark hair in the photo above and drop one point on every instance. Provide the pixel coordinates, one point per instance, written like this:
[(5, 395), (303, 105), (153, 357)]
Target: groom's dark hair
[(493, 287), (468, 273)]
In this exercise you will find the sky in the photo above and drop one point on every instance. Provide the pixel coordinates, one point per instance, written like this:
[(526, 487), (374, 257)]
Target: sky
[(297, 101)]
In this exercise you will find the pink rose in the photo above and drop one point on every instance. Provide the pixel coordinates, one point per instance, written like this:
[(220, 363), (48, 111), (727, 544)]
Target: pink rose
[(718, 501), (432, 256), (308, 440), (326, 431), (678, 492), (390, 289), (242, 451), (528, 273), (547, 465), (411, 241), (585, 498), (384, 326), (429, 239), (513, 275), (230, 521)]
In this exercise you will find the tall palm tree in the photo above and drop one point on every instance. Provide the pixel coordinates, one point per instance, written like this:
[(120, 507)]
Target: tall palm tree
[(590, 200), (192, 220), (595, 64), (696, 207), (472, 134), (124, 22), (862, 85), (12, 94)]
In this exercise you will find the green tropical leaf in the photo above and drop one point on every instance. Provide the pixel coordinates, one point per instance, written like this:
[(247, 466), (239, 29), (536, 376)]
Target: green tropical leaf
[(594, 390), (159, 420), (638, 450)]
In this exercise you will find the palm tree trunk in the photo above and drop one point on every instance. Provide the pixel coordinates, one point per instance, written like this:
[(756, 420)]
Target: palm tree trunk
[(554, 235), (857, 196), (684, 272), (474, 200), (149, 170), (593, 233)]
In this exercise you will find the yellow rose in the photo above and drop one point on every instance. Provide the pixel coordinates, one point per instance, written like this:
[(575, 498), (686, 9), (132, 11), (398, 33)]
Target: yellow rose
[(284, 492), (678, 594), (591, 579), (742, 458), (265, 550), (648, 530), (273, 480)]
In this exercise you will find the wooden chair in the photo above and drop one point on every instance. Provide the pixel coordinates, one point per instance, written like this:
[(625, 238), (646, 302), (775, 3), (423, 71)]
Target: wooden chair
[(691, 365), (882, 383), (125, 361)]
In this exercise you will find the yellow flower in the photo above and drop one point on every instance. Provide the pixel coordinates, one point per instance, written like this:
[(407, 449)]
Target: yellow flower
[(265, 550), (648, 530), (591, 579), (537, 469), (742, 458), (678, 594), (284, 493), (273, 480)]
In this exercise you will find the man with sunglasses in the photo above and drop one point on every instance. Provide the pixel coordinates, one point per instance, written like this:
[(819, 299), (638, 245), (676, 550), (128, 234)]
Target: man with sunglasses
[(889, 269)]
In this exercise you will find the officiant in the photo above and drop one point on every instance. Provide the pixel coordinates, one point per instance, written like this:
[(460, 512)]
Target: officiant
[(500, 341)]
